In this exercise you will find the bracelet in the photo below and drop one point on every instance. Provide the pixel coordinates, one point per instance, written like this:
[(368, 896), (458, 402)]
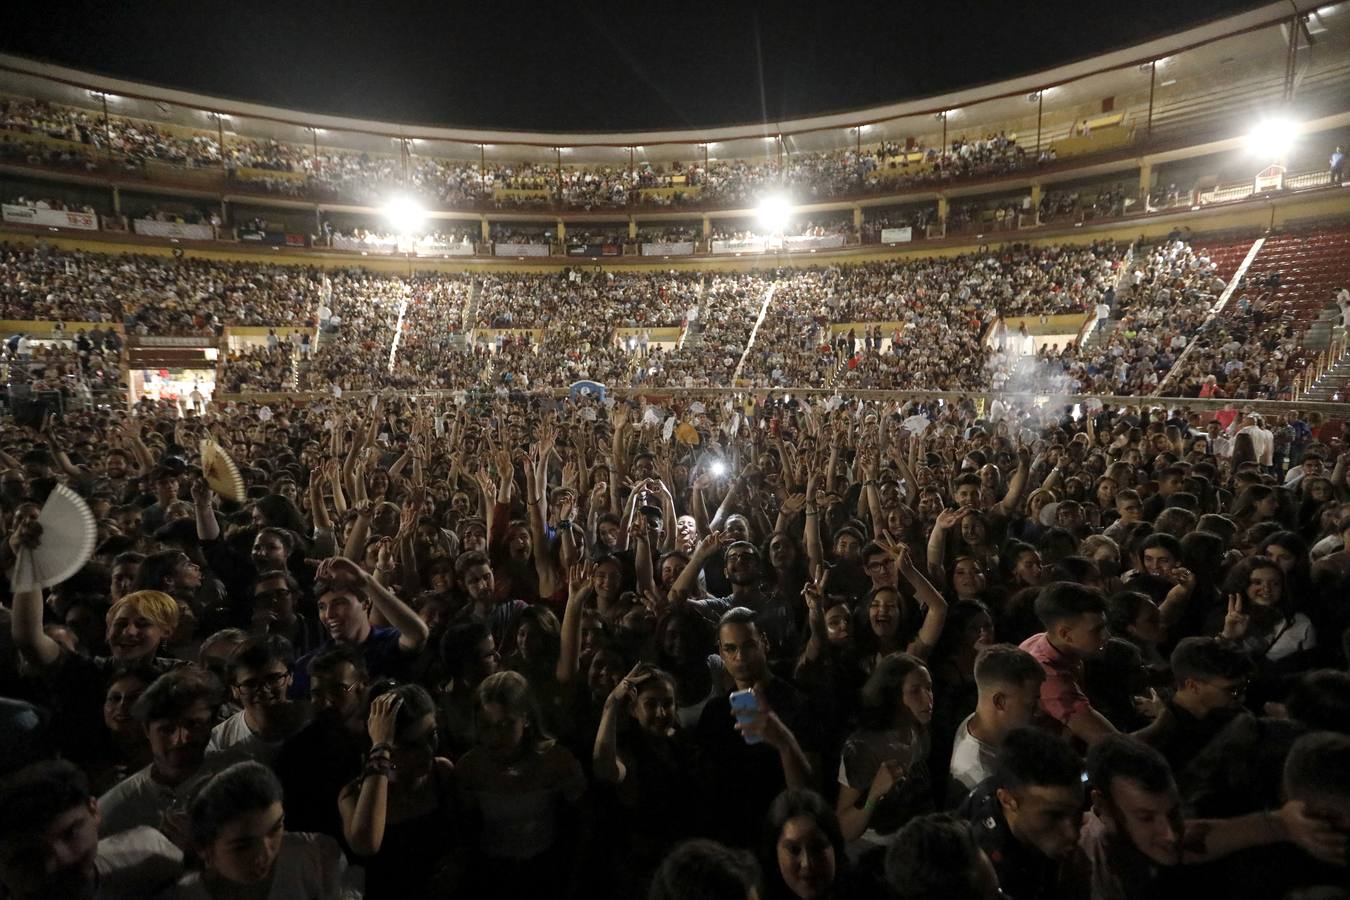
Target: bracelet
[(383, 745), (870, 804), (810, 510), (869, 481), (377, 770)]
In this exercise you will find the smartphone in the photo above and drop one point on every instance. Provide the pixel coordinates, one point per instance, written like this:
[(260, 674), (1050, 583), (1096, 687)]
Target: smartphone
[(745, 707)]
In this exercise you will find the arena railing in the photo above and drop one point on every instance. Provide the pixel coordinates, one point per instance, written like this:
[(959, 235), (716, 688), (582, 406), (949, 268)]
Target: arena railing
[(984, 398)]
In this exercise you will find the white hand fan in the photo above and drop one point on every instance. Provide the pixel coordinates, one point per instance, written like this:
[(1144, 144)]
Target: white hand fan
[(68, 535), (221, 472)]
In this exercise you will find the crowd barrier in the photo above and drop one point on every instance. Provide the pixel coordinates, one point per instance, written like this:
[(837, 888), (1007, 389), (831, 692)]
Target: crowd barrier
[(1335, 411)]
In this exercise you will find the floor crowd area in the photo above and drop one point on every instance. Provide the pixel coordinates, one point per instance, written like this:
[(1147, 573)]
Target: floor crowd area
[(509, 643)]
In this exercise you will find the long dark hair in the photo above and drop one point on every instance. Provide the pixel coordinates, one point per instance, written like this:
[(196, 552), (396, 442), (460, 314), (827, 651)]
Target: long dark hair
[(881, 695)]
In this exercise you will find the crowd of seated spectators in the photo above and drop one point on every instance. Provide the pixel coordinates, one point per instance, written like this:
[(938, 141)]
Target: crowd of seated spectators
[(151, 294), (302, 169), (264, 368)]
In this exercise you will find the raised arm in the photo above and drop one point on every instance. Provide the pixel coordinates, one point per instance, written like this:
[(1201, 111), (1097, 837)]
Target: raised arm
[(935, 615), (605, 762), (364, 809), (1012, 501), (26, 629), (579, 587), (412, 630), (937, 544), (208, 527), (686, 585)]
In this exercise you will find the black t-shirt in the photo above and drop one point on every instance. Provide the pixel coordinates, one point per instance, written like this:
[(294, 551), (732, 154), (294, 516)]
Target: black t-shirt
[(747, 777)]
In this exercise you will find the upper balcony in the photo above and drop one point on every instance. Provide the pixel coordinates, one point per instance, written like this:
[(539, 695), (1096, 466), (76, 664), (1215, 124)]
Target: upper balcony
[(1206, 83)]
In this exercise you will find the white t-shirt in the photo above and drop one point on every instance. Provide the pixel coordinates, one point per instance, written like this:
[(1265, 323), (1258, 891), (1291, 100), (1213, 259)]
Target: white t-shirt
[(233, 741), (308, 867), (136, 863), (973, 760), (139, 800)]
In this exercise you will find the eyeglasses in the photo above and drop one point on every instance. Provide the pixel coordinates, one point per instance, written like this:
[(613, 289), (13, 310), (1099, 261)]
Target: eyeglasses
[(274, 682)]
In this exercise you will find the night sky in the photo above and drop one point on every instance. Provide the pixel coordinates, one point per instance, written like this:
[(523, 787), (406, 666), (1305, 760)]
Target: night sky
[(581, 66)]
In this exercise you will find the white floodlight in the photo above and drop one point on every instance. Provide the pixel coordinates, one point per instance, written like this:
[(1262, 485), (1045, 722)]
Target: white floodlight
[(774, 212), (405, 215), (1272, 138), (718, 468)]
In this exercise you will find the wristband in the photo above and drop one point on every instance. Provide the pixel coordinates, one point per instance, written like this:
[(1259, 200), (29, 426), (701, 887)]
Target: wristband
[(870, 805), (383, 746)]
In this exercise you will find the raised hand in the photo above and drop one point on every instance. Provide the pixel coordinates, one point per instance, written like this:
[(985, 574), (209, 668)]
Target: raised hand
[(382, 722), (1237, 621)]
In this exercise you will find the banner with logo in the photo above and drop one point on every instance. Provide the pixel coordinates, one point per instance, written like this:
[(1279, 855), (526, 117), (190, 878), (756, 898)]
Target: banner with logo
[(813, 241), (520, 249), (676, 248), (595, 250), (748, 245), (152, 228), (274, 238), (52, 218), (442, 248), (368, 244), (896, 235)]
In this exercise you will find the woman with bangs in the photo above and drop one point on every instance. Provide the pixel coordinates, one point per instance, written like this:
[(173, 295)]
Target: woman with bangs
[(1262, 617)]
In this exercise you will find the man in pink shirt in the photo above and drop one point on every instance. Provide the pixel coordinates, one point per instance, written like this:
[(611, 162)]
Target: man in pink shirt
[(1075, 629)]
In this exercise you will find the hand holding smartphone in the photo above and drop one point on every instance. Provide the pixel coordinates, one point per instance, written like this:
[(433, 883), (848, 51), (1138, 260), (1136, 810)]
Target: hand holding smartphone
[(745, 707)]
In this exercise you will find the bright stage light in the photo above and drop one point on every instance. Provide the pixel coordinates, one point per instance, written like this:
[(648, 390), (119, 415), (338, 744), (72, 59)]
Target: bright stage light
[(774, 213), (1271, 139), (718, 468), (405, 215)]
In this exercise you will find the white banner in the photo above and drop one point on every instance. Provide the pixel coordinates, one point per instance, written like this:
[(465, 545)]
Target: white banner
[(520, 249), (55, 218), (674, 248), (371, 244), (749, 245), (896, 235), (813, 241), (440, 248), (174, 230)]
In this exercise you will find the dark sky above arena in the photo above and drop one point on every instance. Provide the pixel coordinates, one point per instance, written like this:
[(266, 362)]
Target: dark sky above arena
[(579, 66)]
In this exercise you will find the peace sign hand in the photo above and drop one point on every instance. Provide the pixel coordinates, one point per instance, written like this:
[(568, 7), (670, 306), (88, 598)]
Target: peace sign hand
[(1236, 622)]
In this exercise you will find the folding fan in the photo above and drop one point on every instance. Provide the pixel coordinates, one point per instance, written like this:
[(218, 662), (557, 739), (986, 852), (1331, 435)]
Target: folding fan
[(221, 472), (67, 542)]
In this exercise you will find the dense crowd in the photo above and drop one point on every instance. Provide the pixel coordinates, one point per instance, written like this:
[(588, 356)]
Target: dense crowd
[(264, 368), (152, 294), (724, 647), (309, 169)]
